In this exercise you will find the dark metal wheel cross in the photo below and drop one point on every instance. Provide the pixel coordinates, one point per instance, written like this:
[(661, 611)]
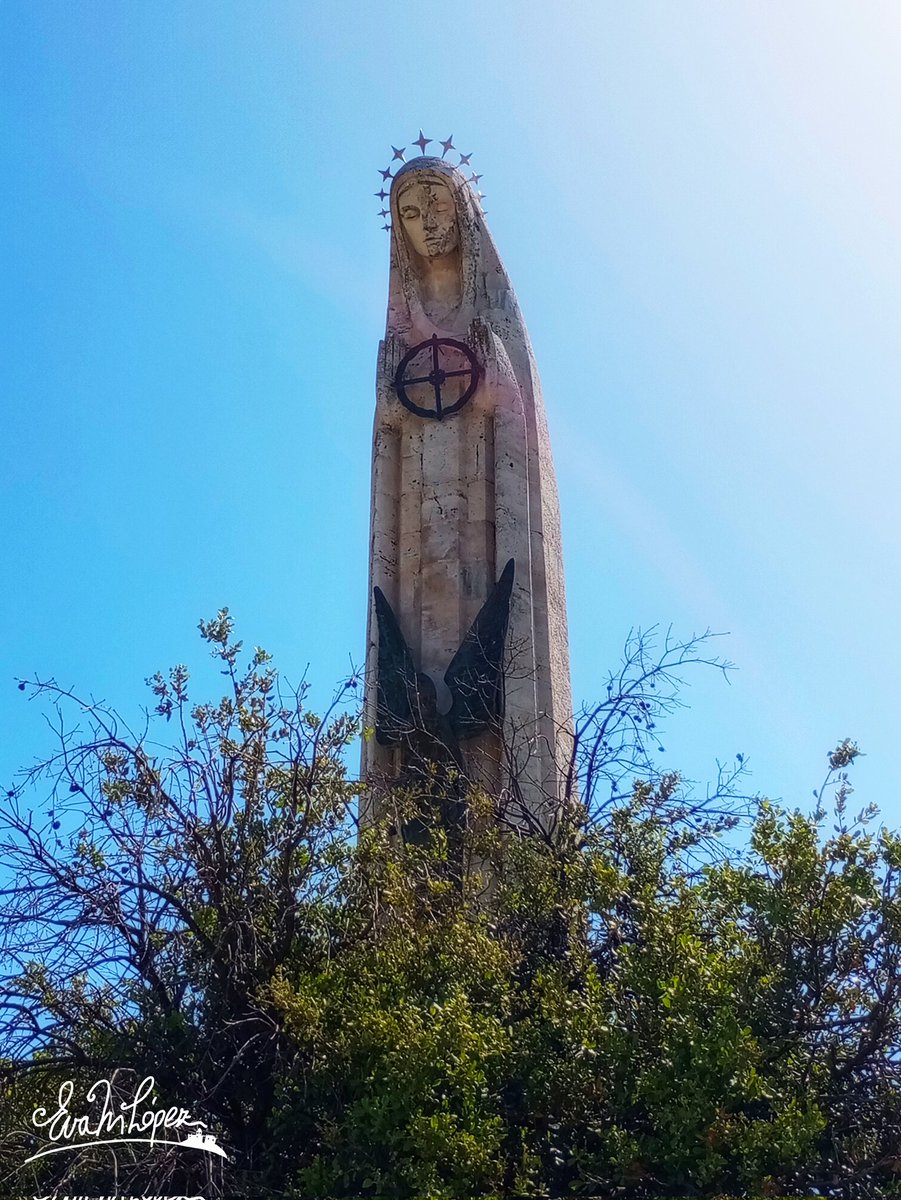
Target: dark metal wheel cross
[(437, 377)]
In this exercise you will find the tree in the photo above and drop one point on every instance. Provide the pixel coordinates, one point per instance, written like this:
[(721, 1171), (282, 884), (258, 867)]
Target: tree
[(169, 882), (640, 1010)]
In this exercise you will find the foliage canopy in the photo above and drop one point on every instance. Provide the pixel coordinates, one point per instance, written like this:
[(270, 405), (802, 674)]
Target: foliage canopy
[(634, 1013)]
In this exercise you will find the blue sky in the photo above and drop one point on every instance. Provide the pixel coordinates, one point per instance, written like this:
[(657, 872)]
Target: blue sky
[(700, 207)]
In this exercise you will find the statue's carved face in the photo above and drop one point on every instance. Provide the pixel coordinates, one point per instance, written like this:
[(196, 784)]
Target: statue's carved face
[(429, 218)]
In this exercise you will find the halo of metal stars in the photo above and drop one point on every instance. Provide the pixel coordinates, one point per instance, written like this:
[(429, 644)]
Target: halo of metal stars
[(398, 155)]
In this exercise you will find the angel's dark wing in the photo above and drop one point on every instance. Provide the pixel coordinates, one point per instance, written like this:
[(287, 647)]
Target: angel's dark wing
[(396, 694), (476, 674)]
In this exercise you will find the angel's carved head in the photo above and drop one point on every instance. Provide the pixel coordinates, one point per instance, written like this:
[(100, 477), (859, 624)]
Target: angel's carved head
[(427, 695)]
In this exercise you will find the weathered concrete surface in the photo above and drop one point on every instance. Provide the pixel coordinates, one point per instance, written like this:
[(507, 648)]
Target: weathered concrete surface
[(453, 500)]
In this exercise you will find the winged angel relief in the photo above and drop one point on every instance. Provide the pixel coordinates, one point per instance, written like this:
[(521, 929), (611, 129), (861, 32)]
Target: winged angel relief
[(408, 714)]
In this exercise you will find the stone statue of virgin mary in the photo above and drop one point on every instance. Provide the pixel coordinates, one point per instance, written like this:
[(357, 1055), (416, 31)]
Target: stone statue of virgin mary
[(463, 483)]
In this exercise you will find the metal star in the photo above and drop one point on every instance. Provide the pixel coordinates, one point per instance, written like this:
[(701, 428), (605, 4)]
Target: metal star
[(474, 178), (422, 141), (382, 195), (384, 213), (387, 228), (399, 153), (386, 174), (448, 145), (464, 160)]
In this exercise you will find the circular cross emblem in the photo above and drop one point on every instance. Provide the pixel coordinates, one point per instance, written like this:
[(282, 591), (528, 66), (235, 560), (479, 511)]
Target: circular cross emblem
[(443, 375)]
